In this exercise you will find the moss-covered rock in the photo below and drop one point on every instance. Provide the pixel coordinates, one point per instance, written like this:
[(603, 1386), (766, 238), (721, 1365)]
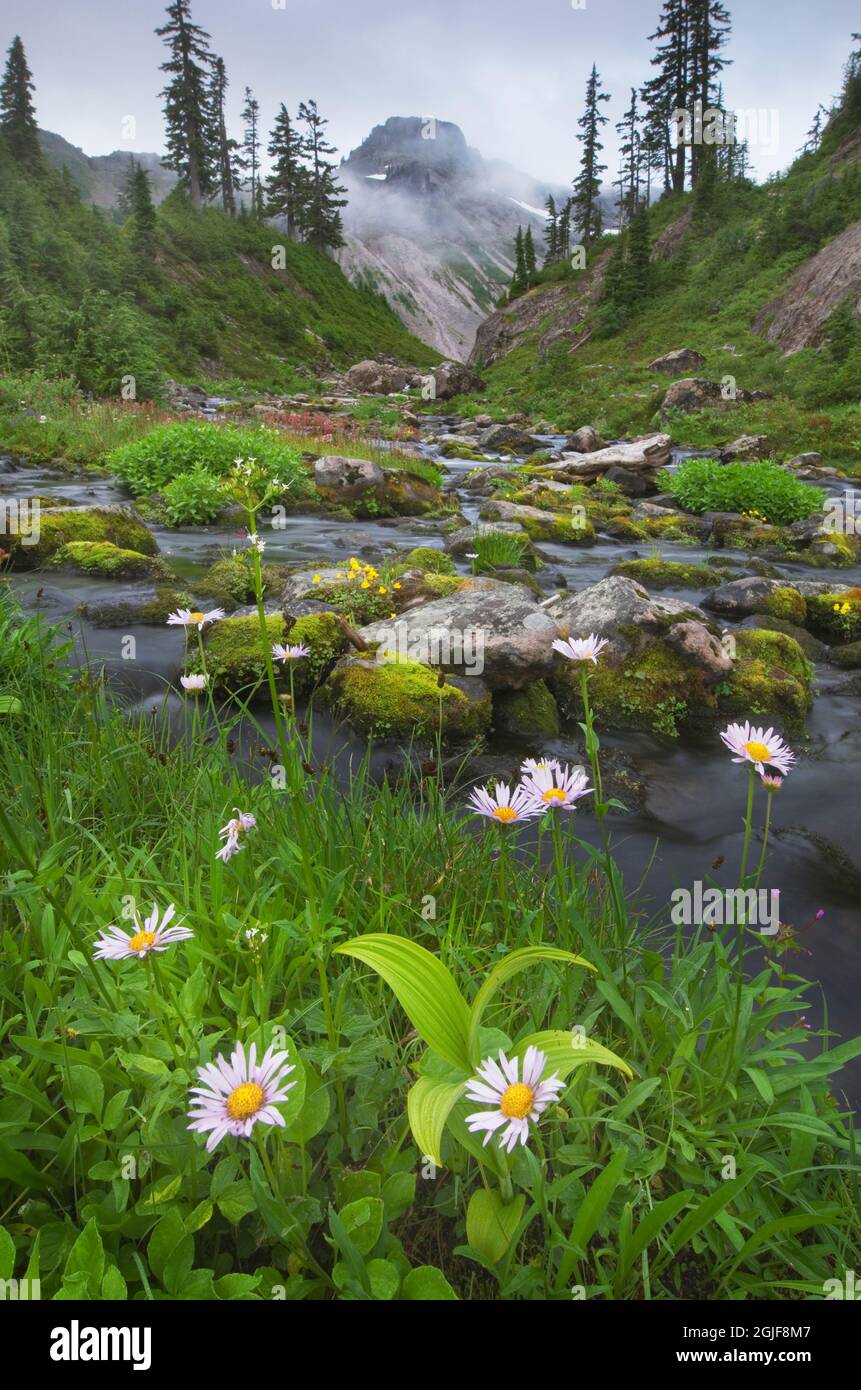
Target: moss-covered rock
[(235, 653), (562, 528), (771, 678), (622, 528), (683, 530), (849, 657), (657, 573), (103, 560), (430, 561), (657, 690), (530, 711), (835, 617), (404, 700), (786, 603), (120, 526), (150, 608), (324, 635), (230, 581)]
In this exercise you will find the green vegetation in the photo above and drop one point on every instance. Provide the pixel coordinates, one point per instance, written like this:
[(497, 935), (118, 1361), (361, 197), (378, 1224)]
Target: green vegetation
[(197, 448), (761, 489), (497, 550)]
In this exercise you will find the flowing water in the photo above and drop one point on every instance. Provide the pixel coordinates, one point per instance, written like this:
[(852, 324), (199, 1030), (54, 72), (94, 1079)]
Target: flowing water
[(692, 807)]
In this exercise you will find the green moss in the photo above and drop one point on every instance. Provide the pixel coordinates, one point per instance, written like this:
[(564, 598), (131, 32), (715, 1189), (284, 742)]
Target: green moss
[(559, 528), (59, 528), (234, 652), (771, 677), (326, 638), (405, 700), (109, 561), (835, 617), (441, 585), (230, 581), (622, 528), (530, 711), (684, 530), (545, 499), (430, 561), (657, 691), (657, 573), (787, 603)]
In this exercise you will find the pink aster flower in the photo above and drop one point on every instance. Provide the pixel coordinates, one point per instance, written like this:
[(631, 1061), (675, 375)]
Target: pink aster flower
[(151, 935), (582, 648), (193, 683), (504, 805), (530, 765), (515, 1100), (232, 832), (290, 653), (186, 617), (235, 1096), (772, 782), (762, 747), (557, 786)]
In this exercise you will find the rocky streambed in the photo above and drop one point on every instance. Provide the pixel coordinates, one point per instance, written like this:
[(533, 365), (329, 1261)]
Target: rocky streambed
[(708, 619)]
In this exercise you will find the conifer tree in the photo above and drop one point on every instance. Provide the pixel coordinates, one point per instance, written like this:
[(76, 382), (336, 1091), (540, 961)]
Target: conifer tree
[(17, 112), (564, 232), (225, 147), (323, 226), (286, 187), (586, 211), (518, 280), (187, 105), (529, 261), (669, 90), (551, 233), (710, 25), (630, 165), (249, 160), (141, 209)]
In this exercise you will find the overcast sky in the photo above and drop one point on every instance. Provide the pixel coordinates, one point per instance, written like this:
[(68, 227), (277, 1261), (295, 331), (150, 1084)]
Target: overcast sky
[(511, 73)]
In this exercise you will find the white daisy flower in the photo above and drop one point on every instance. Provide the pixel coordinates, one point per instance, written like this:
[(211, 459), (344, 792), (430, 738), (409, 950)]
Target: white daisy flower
[(557, 786), (582, 648), (762, 747), (290, 653), (515, 1101), (186, 617), (530, 765), (151, 935), (237, 1095), (194, 682), (232, 832), (504, 804)]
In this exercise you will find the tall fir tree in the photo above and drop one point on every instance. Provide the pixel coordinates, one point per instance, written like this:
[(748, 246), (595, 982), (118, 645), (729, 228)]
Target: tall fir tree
[(225, 148), (710, 26), (518, 279), (140, 206), (630, 161), (187, 102), (586, 214), (323, 225), (551, 232), (249, 160), (287, 186), (529, 261), (669, 90), (564, 231), (17, 112)]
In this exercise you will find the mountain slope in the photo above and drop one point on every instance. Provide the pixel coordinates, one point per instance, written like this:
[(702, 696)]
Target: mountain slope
[(431, 225), (101, 178), (78, 297)]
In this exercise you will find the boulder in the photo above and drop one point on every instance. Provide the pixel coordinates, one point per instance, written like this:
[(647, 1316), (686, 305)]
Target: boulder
[(120, 526), (454, 379), (745, 448), (625, 614), (694, 393), (488, 629), (743, 597), (565, 528), (341, 479), (679, 360), (462, 541), (404, 699), (586, 440), (631, 484), (379, 378), (649, 453), (508, 439), (809, 460)]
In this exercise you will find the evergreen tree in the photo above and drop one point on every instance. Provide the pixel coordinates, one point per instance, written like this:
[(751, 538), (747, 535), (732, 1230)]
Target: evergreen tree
[(586, 211), (850, 100), (249, 160), (518, 280), (323, 226), (141, 209), (564, 231), (17, 112), (551, 234), (669, 90), (813, 139), (225, 148), (529, 261), (639, 257), (286, 187), (710, 25), (187, 105), (630, 154)]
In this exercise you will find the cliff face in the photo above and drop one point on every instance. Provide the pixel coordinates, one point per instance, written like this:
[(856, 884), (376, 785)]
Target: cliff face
[(100, 178), (795, 319), (431, 224), (559, 309)]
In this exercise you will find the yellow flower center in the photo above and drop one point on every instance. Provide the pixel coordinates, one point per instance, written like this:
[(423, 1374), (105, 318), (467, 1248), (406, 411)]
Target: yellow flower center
[(554, 794), (758, 751), (141, 940), (245, 1101), (516, 1102), (505, 814), (197, 617)]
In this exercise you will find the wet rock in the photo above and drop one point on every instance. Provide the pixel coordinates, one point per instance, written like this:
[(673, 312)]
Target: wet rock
[(695, 393), (746, 448), (454, 379), (849, 656), (701, 648), (810, 460), (623, 612), (103, 560), (341, 479), (462, 541), (811, 646), (530, 711), (742, 597), (380, 378), (143, 607), (679, 360), (631, 484), (650, 453), (120, 526), (405, 699), (586, 440), (508, 439), (565, 528), (494, 629)]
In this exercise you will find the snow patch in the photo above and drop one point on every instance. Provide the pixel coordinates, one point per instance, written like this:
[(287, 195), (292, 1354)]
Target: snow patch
[(536, 212)]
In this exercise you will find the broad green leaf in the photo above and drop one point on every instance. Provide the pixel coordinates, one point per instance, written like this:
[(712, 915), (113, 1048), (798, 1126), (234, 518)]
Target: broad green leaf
[(87, 1257), (10, 704), (429, 1104), (84, 1091), (315, 1109), (648, 1229), (511, 965), (424, 989), (566, 1051), (114, 1286), (385, 1279), (491, 1224), (363, 1222), (7, 1254), (427, 1284)]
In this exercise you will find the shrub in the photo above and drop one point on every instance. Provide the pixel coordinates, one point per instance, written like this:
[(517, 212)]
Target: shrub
[(498, 550), (172, 450), (193, 498), (704, 485)]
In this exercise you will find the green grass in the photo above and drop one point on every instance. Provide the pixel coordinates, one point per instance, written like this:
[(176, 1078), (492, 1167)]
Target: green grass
[(723, 1169)]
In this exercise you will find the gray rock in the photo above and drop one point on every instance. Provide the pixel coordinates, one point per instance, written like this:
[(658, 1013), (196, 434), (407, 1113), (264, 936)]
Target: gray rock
[(631, 484), (454, 379), (508, 439), (741, 597), (624, 613), (586, 440), (679, 360), (811, 460), (379, 378), (746, 447), (462, 541), (346, 479)]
